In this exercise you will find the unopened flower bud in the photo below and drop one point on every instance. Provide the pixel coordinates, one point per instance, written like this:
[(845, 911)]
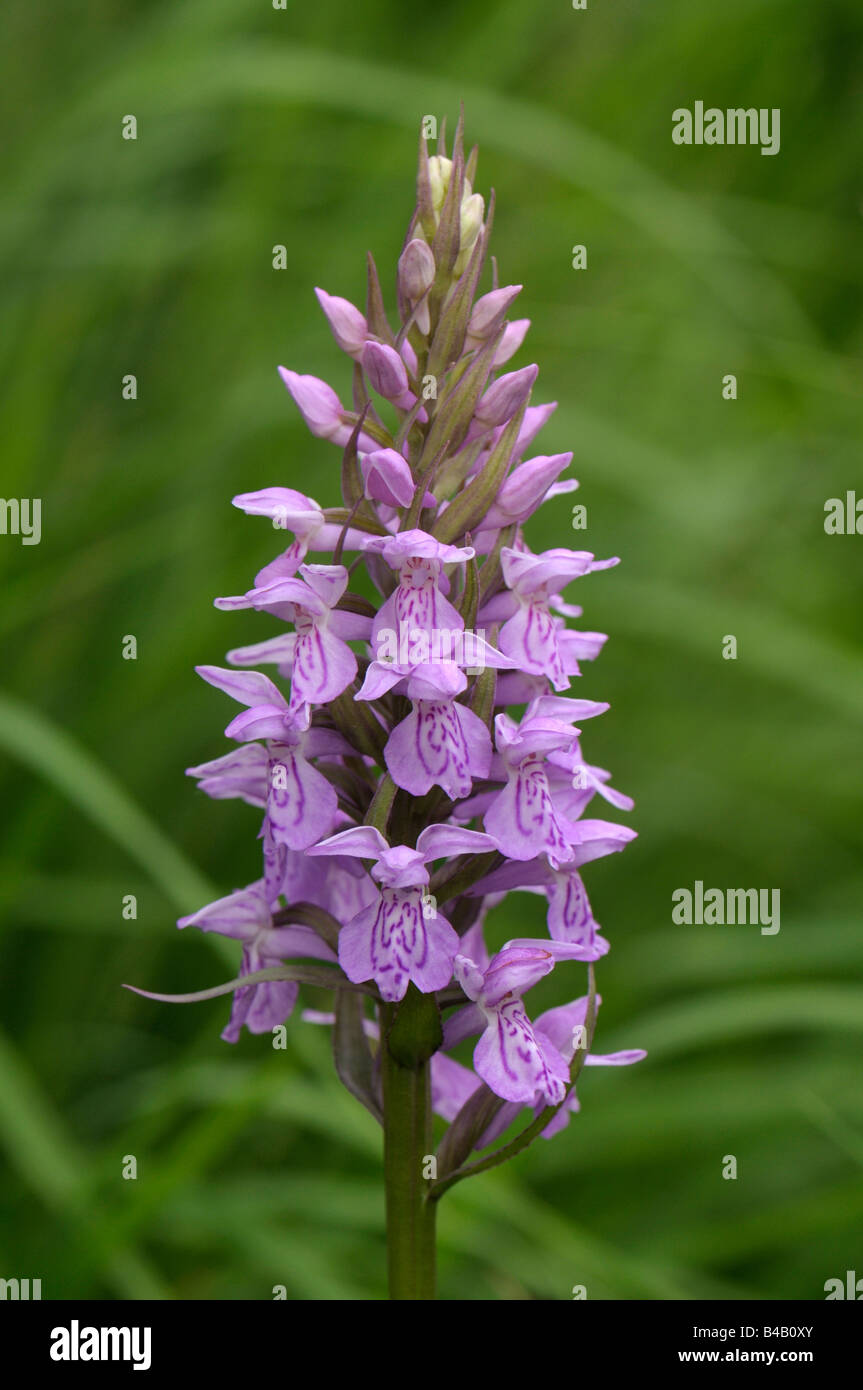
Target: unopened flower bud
[(387, 478), (416, 269), (387, 375), (472, 214), (440, 173), (348, 325), (505, 396), (416, 276), (489, 311), (513, 337), (322, 410), (525, 488)]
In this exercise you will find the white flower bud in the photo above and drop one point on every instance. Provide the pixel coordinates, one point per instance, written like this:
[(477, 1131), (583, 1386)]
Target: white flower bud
[(440, 169), (440, 172), (472, 214)]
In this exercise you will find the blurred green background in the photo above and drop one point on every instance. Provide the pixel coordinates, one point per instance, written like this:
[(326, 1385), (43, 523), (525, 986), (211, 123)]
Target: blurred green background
[(259, 126)]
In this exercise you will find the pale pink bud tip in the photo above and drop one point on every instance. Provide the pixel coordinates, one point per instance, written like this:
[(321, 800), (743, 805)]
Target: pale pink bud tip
[(317, 402), (490, 308), (348, 325), (505, 396)]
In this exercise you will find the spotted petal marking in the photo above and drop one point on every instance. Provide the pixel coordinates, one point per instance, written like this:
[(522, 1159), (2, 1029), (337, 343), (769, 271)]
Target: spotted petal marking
[(323, 664), (439, 744), (522, 818), (514, 1062), (531, 638), (301, 804), (392, 943), (569, 913)]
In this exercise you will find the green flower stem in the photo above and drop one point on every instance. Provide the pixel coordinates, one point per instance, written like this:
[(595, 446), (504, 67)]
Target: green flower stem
[(406, 1079)]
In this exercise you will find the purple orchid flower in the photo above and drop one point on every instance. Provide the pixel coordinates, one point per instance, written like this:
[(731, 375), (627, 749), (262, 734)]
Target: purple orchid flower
[(561, 1030), (322, 664), (531, 635), (441, 742), (396, 941), (522, 817), (511, 1057), (417, 604)]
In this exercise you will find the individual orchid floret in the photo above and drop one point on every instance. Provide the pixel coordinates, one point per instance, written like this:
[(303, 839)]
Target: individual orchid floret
[(416, 277), (441, 742), (563, 1029), (348, 325), (515, 1061), (417, 604), (322, 410), (522, 817), (323, 665), (401, 938), (531, 636), (246, 916)]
